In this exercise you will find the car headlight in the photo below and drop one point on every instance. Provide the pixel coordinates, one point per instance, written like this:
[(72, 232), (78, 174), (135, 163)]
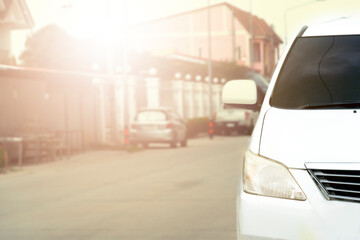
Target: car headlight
[(269, 178)]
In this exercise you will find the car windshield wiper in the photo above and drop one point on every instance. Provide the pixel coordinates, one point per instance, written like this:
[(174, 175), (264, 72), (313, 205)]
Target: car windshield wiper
[(343, 104)]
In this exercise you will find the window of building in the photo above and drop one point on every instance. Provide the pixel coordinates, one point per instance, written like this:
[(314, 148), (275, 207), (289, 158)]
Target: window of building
[(257, 53), (200, 53)]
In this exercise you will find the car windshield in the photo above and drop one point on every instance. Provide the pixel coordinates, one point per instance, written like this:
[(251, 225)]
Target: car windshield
[(320, 72), (150, 116)]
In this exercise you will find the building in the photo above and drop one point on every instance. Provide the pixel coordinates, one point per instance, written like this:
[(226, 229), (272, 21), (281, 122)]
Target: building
[(14, 14), (187, 33), (94, 108), (77, 108)]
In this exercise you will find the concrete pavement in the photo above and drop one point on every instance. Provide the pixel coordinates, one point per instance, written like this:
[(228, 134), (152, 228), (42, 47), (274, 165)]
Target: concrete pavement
[(158, 193)]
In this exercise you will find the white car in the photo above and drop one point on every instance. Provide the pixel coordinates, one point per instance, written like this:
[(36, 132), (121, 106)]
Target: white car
[(301, 172), (231, 118)]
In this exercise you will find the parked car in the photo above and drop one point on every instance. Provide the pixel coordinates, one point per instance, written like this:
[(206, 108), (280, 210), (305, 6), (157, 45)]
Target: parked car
[(301, 172), (158, 125), (232, 118)]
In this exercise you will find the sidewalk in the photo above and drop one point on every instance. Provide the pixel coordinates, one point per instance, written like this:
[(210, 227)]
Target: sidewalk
[(75, 161)]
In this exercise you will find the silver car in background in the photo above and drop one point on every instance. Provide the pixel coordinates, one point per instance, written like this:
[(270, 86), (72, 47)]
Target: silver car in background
[(158, 125)]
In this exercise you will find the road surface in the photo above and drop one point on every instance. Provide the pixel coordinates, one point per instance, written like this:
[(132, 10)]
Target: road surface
[(157, 193)]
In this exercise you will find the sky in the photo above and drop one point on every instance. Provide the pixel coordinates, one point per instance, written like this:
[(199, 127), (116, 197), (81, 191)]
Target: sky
[(86, 15)]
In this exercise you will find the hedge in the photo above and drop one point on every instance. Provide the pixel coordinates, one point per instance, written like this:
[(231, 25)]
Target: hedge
[(196, 126)]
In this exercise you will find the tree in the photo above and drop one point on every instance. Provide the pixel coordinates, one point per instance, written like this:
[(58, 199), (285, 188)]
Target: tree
[(51, 47)]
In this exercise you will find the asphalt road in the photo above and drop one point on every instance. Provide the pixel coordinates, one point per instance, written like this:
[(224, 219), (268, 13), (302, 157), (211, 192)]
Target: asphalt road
[(158, 193)]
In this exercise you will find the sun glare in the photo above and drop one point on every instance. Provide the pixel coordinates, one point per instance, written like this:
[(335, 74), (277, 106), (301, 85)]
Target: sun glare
[(103, 22)]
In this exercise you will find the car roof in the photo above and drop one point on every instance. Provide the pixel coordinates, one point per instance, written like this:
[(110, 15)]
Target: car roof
[(340, 26)]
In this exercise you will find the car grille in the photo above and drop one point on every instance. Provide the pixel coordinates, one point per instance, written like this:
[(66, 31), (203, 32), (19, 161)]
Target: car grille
[(338, 184)]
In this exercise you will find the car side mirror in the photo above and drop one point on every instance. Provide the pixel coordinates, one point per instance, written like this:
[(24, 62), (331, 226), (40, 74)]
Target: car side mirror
[(240, 92)]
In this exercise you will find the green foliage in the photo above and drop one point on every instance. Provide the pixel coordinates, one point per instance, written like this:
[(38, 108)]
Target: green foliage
[(4, 160), (50, 47), (196, 126), (133, 149)]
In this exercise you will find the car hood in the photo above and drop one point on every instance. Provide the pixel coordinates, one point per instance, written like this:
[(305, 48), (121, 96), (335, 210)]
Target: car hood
[(295, 137)]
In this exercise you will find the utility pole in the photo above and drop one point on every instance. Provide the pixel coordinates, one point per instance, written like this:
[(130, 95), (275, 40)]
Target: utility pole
[(111, 79), (210, 69), (272, 50), (233, 35), (251, 38), (67, 15), (125, 75)]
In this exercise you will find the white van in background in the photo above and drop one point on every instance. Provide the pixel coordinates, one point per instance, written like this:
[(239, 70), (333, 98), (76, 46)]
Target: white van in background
[(301, 173), (229, 119), (240, 118)]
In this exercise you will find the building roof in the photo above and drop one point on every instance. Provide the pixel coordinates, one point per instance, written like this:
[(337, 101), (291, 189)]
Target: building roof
[(16, 14), (260, 28)]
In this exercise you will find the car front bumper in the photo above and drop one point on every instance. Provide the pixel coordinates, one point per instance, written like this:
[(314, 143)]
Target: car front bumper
[(260, 217)]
